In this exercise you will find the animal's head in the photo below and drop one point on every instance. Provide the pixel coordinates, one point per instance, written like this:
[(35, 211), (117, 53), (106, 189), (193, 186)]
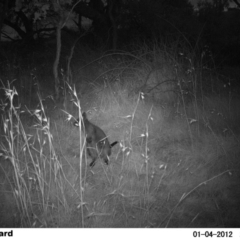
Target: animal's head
[(84, 118)]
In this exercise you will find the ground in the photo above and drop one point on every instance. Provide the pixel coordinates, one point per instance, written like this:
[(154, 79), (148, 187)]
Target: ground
[(176, 163)]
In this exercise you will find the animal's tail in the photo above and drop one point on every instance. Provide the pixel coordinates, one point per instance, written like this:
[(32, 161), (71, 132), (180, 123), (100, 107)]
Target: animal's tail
[(113, 144)]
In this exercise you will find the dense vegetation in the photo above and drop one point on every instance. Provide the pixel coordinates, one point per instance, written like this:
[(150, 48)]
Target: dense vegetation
[(157, 76)]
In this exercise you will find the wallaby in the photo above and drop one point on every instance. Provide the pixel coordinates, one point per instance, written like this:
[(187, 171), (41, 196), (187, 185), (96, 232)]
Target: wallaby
[(96, 141)]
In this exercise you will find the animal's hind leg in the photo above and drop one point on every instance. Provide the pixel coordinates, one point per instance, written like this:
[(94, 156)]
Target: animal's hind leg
[(104, 150), (93, 158), (92, 154)]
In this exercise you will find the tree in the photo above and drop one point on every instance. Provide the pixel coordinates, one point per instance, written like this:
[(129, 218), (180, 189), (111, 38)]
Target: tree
[(3, 10), (24, 17), (148, 19), (62, 17), (221, 29), (104, 19), (237, 3)]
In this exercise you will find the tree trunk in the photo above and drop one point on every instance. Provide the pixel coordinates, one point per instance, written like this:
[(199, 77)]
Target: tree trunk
[(113, 24), (57, 58), (63, 17)]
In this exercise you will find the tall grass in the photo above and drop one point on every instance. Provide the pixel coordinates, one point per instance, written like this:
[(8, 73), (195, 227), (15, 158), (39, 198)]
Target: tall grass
[(35, 164)]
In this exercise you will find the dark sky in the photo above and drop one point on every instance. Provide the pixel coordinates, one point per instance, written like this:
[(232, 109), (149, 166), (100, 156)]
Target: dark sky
[(194, 3)]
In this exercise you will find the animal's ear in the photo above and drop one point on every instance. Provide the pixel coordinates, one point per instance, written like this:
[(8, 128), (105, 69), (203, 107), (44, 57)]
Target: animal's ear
[(84, 115), (76, 123)]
